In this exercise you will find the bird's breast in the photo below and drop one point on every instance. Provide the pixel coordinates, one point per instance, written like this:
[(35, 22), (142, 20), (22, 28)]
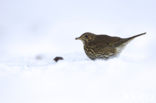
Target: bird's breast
[(90, 52)]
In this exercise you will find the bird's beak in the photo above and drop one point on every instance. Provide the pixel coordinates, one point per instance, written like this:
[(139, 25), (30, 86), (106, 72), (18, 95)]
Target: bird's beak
[(78, 38)]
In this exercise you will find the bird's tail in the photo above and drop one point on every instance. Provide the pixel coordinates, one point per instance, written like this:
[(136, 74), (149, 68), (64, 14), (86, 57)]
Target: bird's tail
[(126, 40), (130, 38)]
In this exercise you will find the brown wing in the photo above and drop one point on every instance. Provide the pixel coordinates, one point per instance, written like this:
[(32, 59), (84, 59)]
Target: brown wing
[(104, 44), (102, 41)]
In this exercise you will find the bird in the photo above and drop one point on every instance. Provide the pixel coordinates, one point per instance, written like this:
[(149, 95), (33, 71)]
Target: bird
[(102, 46)]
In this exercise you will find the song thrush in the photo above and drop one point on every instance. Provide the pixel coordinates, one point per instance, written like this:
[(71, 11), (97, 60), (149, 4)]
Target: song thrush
[(103, 46)]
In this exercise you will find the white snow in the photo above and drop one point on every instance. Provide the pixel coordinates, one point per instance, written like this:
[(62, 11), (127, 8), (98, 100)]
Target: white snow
[(77, 79), (33, 32)]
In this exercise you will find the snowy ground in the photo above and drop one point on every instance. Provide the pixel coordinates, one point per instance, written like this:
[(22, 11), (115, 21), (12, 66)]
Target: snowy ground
[(33, 32), (77, 79)]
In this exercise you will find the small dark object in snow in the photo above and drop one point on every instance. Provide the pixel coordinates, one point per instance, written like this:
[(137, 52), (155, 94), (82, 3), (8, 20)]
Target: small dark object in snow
[(39, 57), (56, 59)]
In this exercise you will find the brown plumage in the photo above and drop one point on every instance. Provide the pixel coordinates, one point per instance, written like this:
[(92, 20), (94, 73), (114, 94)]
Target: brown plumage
[(103, 46)]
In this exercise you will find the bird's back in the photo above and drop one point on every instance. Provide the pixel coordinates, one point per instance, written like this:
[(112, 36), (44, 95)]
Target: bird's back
[(106, 41)]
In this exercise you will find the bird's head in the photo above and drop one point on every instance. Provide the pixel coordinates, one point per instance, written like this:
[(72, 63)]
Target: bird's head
[(86, 37)]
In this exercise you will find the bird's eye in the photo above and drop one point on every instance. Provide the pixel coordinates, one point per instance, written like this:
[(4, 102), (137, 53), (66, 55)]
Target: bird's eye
[(86, 36)]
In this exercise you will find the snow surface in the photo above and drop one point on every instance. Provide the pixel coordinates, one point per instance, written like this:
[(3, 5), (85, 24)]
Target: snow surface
[(33, 32), (77, 80)]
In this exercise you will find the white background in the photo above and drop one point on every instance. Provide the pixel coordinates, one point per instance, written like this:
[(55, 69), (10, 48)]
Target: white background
[(33, 32)]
